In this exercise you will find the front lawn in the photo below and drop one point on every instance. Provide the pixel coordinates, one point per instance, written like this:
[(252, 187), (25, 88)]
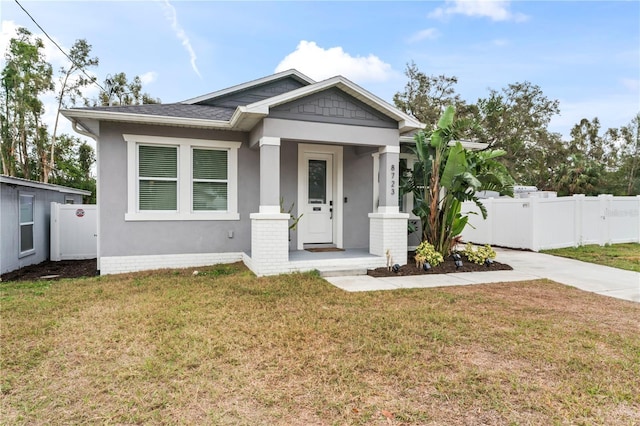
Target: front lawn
[(224, 347), (623, 256)]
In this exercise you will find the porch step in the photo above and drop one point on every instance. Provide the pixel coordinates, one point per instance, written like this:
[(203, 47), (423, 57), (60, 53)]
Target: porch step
[(342, 272)]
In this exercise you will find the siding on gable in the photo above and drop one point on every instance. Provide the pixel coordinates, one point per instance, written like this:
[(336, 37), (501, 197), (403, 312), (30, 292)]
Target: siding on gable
[(333, 106), (255, 94)]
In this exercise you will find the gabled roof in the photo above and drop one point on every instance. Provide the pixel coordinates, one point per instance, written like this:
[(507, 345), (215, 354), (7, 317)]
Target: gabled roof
[(406, 122), (242, 118), (295, 74)]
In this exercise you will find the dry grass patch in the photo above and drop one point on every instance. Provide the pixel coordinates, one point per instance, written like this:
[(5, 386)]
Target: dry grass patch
[(225, 347)]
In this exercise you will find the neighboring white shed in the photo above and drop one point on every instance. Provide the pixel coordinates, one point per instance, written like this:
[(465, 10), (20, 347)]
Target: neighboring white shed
[(25, 211)]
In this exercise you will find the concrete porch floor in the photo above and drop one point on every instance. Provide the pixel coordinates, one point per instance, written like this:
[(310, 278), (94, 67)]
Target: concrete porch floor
[(331, 263), (351, 262)]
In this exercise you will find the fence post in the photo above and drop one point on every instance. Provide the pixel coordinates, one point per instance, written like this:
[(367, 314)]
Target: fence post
[(638, 236), (535, 222), (489, 206), (578, 231), (54, 233), (605, 229)]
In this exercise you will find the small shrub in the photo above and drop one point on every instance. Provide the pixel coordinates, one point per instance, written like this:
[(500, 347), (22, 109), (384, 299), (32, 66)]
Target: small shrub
[(480, 255), (425, 252)]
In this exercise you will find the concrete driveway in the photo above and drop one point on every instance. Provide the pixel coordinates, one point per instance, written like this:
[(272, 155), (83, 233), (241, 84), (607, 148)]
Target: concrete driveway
[(526, 265)]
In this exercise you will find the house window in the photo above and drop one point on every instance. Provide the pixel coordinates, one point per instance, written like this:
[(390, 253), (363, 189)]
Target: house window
[(181, 179), (210, 180), (26, 224), (157, 177)]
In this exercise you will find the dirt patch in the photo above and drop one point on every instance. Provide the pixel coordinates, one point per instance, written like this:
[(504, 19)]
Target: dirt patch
[(54, 270), (446, 267)]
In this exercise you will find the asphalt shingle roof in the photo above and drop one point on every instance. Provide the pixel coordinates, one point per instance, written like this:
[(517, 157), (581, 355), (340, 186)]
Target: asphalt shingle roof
[(177, 109)]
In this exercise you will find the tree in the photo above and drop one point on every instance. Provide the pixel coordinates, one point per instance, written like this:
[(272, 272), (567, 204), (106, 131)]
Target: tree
[(444, 176), (122, 92), (579, 174), (426, 97), (72, 80), (516, 120), (74, 159), (24, 78), (625, 179)]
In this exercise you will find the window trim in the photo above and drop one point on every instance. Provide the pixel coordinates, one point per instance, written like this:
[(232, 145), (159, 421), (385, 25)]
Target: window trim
[(163, 179), (196, 180), (32, 250), (185, 165)]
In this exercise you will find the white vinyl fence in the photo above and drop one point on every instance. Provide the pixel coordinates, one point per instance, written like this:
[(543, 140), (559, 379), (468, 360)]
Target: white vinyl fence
[(547, 223), (74, 231)]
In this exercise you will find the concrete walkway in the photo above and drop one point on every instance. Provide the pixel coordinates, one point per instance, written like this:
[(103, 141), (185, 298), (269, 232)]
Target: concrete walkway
[(526, 265)]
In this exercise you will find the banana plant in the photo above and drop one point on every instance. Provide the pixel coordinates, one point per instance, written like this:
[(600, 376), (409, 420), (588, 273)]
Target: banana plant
[(445, 175)]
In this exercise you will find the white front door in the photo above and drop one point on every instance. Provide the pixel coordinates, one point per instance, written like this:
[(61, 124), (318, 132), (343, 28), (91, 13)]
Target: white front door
[(318, 198)]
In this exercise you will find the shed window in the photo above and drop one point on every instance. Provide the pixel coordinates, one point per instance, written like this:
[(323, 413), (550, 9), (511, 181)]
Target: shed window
[(26, 224)]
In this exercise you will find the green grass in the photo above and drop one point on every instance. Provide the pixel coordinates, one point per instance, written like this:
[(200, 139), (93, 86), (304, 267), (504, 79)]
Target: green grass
[(225, 347), (622, 256)]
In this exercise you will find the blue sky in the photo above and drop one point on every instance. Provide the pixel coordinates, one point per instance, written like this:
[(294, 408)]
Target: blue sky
[(586, 54)]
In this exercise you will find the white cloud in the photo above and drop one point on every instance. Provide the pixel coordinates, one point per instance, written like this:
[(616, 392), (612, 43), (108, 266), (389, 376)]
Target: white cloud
[(496, 10), (632, 84), (149, 77), (319, 64), (612, 111), (500, 42), (172, 16), (426, 34), (52, 54)]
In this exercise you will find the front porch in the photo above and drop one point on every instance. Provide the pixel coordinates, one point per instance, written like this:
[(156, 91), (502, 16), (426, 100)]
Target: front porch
[(333, 151), (347, 262)]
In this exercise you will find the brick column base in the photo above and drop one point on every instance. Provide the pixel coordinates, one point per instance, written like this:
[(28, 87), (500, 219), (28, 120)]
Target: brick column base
[(388, 231), (269, 243)]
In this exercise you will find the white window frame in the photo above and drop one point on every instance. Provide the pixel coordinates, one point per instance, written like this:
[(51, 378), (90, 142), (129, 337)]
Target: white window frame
[(194, 180), (32, 250), (185, 195)]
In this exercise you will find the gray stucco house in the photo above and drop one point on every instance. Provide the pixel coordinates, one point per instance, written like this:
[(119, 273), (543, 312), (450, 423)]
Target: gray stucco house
[(201, 181), (25, 210)]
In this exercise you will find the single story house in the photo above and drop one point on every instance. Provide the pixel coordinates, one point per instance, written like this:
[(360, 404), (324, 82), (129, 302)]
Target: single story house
[(202, 181), (25, 210)]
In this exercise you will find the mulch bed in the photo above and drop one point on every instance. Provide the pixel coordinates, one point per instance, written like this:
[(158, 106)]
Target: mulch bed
[(446, 267), (88, 268), (54, 270)]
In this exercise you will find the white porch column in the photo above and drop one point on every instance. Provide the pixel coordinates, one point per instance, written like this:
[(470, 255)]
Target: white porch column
[(387, 226), (269, 175), (269, 227)]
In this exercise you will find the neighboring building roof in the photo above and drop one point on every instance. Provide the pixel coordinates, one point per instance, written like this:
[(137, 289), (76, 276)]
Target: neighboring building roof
[(194, 113), (470, 145), (10, 180)]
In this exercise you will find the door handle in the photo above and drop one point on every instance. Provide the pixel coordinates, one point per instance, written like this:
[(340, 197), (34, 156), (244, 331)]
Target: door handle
[(331, 213)]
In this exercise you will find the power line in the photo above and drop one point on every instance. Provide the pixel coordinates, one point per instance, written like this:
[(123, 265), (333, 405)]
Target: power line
[(93, 79)]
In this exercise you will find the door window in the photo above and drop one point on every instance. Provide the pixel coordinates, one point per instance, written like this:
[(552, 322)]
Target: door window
[(317, 182)]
